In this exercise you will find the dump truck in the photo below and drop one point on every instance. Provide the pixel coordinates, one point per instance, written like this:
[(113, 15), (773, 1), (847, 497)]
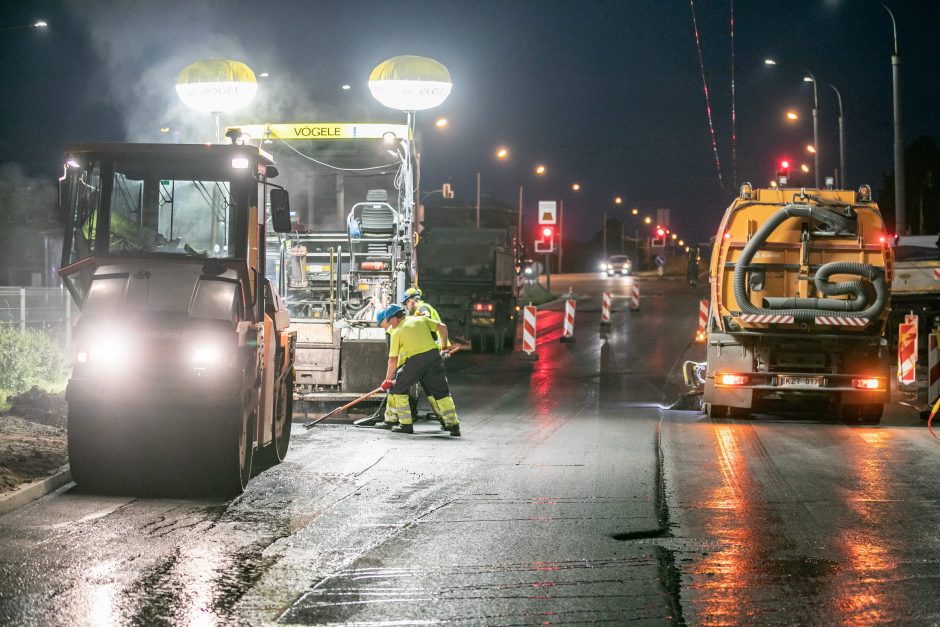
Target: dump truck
[(800, 297), (183, 353), (350, 251), (916, 287), (471, 276)]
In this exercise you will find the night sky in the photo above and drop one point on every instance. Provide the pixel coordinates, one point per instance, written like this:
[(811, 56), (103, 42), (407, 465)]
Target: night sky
[(608, 94)]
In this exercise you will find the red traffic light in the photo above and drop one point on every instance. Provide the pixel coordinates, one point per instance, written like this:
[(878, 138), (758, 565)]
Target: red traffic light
[(784, 164), (546, 231), (660, 231)]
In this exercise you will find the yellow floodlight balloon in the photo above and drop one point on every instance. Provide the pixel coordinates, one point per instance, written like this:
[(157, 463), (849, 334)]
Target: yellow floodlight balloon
[(216, 85), (410, 83)]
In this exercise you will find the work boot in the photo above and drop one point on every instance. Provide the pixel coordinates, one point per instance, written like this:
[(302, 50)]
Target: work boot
[(385, 425), (403, 429), (454, 430)]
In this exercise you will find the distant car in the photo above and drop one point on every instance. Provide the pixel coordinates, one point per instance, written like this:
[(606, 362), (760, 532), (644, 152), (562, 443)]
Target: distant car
[(530, 271), (618, 265)]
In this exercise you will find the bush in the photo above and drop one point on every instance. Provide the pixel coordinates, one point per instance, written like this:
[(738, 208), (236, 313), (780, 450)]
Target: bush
[(29, 357)]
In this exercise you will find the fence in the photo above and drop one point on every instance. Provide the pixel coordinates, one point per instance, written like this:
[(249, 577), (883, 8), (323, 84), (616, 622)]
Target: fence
[(45, 308)]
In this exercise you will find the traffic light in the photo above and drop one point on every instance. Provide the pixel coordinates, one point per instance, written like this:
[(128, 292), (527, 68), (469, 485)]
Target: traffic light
[(545, 239), (659, 237), (783, 172)]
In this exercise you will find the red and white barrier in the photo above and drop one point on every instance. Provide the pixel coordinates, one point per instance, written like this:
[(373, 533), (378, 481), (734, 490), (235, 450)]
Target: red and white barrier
[(605, 308), (842, 321), (936, 273), (933, 367), (528, 329), (767, 319), (567, 333), (702, 315), (635, 296), (907, 353)]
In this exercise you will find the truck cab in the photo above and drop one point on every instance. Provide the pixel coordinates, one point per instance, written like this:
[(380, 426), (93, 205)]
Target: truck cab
[(183, 360)]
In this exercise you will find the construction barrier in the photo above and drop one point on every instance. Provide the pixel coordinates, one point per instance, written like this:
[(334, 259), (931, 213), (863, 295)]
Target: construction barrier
[(635, 296), (907, 353), (660, 271), (702, 332), (567, 334), (528, 331), (933, 367), (605, 308)]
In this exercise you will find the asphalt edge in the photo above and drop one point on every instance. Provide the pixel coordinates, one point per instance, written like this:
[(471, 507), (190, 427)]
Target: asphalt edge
[(30, 492)]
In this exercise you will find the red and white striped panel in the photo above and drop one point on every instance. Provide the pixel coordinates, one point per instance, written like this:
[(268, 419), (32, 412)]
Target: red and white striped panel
[(605, 307), (767, 319), (933, 367), (907, 353), (635, 296), (568, 330), (702, 315), (528, 329), (936, 273), (842, 321)]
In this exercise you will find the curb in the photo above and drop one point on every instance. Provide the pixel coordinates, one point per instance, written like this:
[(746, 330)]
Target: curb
[(37, 489)]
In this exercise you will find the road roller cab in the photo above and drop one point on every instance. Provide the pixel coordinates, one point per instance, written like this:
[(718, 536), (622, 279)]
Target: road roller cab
[(800, 289), (183, 354)]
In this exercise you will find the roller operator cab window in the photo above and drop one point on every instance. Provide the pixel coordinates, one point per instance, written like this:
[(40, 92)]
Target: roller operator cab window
[(153, 210)]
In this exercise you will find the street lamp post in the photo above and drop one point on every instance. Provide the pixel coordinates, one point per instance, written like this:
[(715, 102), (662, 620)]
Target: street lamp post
[(815, 125), (900, 215), (841, 140)]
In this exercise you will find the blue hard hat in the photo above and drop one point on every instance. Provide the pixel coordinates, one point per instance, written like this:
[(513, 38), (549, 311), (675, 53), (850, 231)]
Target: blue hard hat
[(388, 313), (411, 292)]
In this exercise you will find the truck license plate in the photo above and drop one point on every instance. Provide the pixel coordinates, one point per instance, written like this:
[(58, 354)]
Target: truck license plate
[(790, 381)]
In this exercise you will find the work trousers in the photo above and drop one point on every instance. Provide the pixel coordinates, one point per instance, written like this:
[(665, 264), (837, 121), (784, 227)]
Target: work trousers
[(428, 370)]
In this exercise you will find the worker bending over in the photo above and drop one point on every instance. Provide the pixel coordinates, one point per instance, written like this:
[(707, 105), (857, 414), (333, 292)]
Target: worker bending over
[(413, 357), (416, 306)]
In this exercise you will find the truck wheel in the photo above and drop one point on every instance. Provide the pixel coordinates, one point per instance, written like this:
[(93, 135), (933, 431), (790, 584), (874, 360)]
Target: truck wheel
[(716, 411), (276, 451), (867, 414), (233, 447)]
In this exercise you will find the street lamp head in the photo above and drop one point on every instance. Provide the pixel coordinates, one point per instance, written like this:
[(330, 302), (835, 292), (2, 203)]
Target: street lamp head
[(769, 62), (647, 220), (811, 149), (540, 169), (441, 122), (634, 211), (807, 79), (618, 200), (40, 24), (576, 186), (346, 87), (502, 153), (792, 116), (804, 168)]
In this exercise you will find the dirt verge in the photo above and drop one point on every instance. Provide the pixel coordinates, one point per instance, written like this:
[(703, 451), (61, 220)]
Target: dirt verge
[(33, 442)]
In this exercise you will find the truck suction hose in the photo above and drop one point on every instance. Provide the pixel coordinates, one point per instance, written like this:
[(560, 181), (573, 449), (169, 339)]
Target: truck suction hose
[(806, 309)]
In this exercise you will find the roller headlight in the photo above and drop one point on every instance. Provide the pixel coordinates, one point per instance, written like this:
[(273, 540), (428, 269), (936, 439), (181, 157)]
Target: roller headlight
[(207, 355), (105, 351)]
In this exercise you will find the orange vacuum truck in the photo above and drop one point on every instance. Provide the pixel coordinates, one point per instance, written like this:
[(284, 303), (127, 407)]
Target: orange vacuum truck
[(800, 291)]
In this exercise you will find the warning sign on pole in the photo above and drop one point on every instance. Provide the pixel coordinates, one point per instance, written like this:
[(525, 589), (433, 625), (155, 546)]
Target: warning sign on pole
[(548, 212)]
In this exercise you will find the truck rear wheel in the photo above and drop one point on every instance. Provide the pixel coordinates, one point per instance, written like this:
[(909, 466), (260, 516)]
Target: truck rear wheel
[(867, 414), (716, 411)]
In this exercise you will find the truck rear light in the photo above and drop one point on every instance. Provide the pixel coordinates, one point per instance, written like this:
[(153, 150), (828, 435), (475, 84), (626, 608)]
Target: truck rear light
[(372, 265), (483, 307), (724, 378), (867, 384)]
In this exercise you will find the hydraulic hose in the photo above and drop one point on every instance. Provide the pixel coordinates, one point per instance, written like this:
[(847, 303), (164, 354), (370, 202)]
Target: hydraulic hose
[(806, 309)]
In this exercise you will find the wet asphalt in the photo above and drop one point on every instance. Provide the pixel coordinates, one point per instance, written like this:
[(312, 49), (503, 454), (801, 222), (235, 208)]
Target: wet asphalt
[(572, 497)]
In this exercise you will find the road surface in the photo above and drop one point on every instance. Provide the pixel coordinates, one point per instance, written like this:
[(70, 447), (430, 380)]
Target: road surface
[(574, 496)]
